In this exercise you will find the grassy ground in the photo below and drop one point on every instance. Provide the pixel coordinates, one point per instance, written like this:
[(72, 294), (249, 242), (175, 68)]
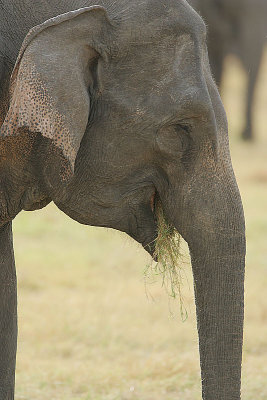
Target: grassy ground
[(88, 331)]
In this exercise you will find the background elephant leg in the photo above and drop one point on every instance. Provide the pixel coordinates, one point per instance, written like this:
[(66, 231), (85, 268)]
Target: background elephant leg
[(216, 55), (252, 80), (8, 314), (251, 56)]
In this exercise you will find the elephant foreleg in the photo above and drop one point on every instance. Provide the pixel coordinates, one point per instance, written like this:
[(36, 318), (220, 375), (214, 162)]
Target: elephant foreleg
[(8, 314)]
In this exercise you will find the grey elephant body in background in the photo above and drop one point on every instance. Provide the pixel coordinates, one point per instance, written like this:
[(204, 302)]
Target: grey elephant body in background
[(107, 108), (238, 27)]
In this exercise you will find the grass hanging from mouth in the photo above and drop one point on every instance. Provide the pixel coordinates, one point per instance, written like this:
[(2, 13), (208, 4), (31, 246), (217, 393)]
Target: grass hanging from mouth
[(168, 255)]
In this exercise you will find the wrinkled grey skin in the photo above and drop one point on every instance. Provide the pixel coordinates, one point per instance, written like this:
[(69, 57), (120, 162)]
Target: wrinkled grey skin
[(131, 89), (239, 27)]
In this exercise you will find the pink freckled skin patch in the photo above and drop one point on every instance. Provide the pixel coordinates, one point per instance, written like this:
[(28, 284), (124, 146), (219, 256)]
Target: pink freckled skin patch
[(33, 108)]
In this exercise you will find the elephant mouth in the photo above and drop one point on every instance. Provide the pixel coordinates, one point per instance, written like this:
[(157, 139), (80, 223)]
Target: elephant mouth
[(150, 244), (166, 251), (153, 201), (167, 241)]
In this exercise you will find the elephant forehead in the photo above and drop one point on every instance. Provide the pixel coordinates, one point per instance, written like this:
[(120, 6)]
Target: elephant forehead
[(153, 20), (155, 64), (157, 78)]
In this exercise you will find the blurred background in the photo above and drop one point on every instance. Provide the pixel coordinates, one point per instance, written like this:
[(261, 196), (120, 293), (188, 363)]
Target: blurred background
[(89, 327)]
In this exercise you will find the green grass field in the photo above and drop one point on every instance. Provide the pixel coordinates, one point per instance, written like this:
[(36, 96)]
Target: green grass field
[(87, 328)]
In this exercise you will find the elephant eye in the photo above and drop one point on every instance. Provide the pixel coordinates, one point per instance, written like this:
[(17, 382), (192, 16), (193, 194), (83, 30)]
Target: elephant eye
[(183, 128), (185, 138), (183, 135), (174, 139)]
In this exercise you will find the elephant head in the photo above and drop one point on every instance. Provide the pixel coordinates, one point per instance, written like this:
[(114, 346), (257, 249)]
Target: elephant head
[(112, 107)]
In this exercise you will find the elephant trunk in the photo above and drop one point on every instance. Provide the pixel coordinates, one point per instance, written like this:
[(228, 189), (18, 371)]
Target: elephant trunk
[(219, 290), (208, 213)]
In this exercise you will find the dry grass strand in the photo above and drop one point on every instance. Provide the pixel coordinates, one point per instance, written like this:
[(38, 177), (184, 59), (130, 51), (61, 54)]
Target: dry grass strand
[(168, 255)]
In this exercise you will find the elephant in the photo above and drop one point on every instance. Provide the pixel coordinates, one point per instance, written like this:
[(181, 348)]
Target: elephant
[(105, 109), (238, 27)]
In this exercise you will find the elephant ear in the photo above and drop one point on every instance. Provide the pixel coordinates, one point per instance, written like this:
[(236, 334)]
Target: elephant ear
[(49, 85)]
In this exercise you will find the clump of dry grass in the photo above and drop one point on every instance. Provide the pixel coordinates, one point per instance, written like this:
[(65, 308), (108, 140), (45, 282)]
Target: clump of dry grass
[(168, 255)]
